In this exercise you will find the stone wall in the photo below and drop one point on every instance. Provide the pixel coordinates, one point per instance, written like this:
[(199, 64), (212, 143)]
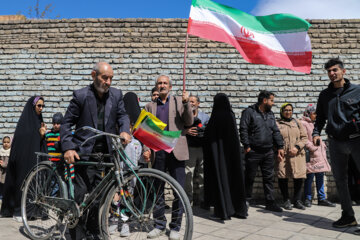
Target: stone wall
[(54, 57)]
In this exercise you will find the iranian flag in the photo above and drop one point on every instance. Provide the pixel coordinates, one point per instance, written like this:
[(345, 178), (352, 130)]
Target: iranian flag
[(154, 137), (279, 40)]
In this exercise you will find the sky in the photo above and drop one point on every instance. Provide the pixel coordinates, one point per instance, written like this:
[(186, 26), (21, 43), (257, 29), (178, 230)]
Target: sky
[(309, 9)]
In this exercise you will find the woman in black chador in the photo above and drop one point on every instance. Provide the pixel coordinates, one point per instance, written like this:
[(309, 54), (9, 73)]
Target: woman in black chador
[(28, 138), (223, 171)]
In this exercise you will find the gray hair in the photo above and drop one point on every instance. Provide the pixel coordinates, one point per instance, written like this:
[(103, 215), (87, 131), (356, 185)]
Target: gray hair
[(163, 75)]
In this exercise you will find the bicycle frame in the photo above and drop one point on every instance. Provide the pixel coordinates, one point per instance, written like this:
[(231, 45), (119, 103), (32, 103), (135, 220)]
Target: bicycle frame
[(116, 174)]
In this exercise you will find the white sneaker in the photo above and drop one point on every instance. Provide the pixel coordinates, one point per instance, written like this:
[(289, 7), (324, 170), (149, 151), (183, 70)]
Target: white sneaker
[(155, 233), (17, 219), (125, 230), (174, 235)]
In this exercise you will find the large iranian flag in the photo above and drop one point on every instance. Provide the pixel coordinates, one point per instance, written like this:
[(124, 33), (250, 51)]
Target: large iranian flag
[(279, 40)]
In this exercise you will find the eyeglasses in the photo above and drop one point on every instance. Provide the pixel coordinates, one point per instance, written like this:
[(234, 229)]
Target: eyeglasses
[(40, 106), (286, 110)]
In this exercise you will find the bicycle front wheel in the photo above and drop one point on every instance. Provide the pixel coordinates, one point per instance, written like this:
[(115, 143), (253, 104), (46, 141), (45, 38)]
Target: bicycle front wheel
[(41, 219), (146, 202)]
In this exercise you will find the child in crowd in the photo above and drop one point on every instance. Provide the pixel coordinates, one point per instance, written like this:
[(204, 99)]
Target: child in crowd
[(4, 158), (133, 151), (52, 138), (316, 161)]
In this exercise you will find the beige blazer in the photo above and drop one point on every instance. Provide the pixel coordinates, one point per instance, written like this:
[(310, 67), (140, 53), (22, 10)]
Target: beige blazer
[(180, 115)]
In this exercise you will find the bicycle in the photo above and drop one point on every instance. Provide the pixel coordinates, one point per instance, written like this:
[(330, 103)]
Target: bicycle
[(127, 195)]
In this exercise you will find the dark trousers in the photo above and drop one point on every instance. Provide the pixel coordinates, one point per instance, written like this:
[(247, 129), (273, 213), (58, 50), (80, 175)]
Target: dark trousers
[(167, 162), (340, 152), (284, 188), (266, 162), (86, 178)]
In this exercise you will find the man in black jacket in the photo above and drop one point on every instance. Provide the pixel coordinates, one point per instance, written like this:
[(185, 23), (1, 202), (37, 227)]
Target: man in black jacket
[(339, 105), (259, 134), (102, 107)]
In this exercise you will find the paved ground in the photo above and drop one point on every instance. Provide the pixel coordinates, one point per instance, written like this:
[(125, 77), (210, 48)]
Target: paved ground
[(312, 223)]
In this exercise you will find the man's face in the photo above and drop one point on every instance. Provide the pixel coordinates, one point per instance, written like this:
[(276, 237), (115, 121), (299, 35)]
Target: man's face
[(163, 85), (268, 103), (194, 103), (336, 73), (102, 79), (56, 127), (154, 96)]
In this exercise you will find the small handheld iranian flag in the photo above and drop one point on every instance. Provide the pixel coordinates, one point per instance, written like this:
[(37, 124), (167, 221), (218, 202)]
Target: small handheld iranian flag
[(155, 138), (279, 40)]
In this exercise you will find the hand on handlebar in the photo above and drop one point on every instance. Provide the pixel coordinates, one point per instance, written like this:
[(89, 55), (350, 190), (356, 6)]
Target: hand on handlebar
[(70, 156)]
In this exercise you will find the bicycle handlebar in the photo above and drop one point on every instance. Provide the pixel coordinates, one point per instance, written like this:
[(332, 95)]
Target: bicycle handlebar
[(99, 133)]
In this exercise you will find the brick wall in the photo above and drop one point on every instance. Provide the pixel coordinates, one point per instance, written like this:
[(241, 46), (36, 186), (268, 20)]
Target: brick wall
[(54, 57)]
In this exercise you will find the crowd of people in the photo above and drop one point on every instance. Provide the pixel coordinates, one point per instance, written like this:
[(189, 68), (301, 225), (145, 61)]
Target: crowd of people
[(207, 160)]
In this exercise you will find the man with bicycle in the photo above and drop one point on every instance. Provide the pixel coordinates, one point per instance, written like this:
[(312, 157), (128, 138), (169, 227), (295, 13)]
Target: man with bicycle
[(176, 112), (99, 106)]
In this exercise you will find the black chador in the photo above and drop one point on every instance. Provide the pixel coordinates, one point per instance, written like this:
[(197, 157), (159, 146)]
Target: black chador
[(223, 171)]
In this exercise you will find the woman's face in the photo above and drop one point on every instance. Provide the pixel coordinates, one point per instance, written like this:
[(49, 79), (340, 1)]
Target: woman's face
[(39, 106), (313, 116), (287, 112), (6, 143)]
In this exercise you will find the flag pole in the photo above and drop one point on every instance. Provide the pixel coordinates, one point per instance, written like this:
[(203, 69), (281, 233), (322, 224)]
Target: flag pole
[(184, 66)]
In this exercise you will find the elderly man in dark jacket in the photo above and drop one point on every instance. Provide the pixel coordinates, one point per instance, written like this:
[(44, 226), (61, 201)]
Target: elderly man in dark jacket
[(99, 106), (259, 134)]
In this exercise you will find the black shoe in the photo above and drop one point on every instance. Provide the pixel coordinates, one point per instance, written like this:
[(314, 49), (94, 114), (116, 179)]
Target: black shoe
[(287, 205), (273, 207), (299, 205), (345, 222), (307, 203), (204, 206), (326, 203), (357, 232)]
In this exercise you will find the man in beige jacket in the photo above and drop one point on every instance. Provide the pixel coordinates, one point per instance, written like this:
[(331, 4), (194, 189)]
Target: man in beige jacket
[(176, 113)]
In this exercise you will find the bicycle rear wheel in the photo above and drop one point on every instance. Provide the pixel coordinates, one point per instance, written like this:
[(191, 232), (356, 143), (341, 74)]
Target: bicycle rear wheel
[(152, 202), (40, 218)]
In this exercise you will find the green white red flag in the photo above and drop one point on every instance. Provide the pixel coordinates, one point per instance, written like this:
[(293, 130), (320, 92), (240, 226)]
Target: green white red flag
[(153, 137), (279, 40)]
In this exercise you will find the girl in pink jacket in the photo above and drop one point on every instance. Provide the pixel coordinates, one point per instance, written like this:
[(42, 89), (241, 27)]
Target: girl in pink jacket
[(316, 161)]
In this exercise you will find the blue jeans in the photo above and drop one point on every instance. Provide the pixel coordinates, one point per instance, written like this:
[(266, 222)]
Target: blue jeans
[(319, 178)]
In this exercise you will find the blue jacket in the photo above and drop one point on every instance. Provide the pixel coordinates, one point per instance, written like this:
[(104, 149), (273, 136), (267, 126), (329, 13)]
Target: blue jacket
[(82, 111)]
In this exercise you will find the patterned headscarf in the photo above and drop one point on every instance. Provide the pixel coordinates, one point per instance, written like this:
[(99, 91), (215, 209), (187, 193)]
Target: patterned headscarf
[(282, 109), (311, 108)]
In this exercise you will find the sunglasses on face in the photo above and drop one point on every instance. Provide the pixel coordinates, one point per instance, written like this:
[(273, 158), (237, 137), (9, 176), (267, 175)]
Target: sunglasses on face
[(40, 106)]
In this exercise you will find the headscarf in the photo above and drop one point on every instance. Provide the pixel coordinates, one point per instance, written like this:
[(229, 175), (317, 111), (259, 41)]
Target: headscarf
[(132, 106), (36, 99), (311, 108), (221, 104), (282, 111)]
